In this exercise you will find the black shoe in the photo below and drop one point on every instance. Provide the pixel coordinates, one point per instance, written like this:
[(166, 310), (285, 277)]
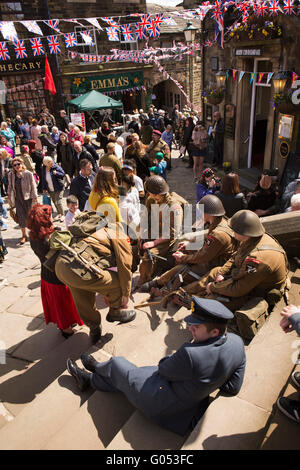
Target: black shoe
[(291, 408), (66, 335), (147, 286), (88, 361), (121, 316), (296, 379), (95, 334), (81, 376)]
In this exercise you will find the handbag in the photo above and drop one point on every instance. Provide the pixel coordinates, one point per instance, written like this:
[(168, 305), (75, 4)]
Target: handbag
[(46, 200), (13, 215)]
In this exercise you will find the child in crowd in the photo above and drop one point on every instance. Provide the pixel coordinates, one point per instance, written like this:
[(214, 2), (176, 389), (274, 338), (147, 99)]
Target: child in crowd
[(160, 165), (129, 168), (72, 204)]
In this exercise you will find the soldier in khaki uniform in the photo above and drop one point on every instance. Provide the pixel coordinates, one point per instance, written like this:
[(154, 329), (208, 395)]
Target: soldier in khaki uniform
[(157, 145), (258, 267), (219, 246), (109, 250), (169, 210)]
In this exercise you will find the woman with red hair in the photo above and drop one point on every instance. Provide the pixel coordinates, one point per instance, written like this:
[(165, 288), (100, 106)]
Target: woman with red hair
[(57, 300)]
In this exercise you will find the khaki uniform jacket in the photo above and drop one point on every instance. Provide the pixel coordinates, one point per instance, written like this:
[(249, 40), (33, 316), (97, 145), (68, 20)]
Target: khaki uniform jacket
[(250, 268), (171, 211), (218, 247), (109, 241), (155, 147)]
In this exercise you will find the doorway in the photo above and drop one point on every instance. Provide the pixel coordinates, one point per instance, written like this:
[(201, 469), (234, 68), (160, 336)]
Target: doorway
[(260, 107)]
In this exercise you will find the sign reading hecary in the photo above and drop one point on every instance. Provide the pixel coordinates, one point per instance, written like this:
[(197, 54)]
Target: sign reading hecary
[(113, 82), (21, 66), (248, 52)]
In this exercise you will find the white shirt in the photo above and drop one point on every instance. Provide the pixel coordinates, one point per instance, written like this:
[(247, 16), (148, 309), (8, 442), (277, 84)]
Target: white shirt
[(119, 152), (70, 216), (139, 185), (129, 206), (49, 180)]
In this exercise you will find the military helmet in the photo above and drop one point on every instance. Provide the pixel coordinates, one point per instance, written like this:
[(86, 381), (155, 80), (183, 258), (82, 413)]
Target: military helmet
[(246, 223), (156, 185), (212, 205)]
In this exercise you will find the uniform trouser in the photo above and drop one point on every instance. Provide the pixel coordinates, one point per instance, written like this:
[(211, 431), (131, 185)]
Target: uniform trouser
[(56, 198), (84, 291), (147, 268), (187, 278), (112, 375), (198, 288)]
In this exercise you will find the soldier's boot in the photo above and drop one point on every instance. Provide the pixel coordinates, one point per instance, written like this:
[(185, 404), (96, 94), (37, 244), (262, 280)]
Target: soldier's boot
[(120, 315)]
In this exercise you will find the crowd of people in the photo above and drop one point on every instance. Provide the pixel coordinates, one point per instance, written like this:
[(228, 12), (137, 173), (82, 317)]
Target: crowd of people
[(113, 185)]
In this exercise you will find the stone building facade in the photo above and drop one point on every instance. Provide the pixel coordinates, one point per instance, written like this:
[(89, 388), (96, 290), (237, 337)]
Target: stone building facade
[(73, 77), (253, 124)]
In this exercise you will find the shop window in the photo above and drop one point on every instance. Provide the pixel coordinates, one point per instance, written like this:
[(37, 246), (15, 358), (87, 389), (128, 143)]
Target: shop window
[(82, 47), (11, 11), (24, 100)]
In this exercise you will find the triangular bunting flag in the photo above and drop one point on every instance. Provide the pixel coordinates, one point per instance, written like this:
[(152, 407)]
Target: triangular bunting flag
[(52, 24), (94, 22), (252, 77), (260, 76), (270, 74), (33, 27), (8, 30), (234, 72), (241, 75)]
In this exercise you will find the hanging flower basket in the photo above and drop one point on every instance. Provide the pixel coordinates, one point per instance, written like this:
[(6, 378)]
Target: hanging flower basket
[(215, 99)]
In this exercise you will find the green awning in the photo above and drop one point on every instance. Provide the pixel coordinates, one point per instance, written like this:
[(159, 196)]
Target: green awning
[(93, 100)]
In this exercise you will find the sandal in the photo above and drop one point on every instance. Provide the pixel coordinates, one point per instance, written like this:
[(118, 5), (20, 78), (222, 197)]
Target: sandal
[(23, 241)]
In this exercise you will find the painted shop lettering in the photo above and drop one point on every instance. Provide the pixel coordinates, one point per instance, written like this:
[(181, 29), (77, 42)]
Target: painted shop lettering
[(109, 83), (20, 66)]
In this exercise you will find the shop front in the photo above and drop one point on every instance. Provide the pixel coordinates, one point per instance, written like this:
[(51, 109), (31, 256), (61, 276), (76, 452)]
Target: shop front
[(126, 86), (24, 87)]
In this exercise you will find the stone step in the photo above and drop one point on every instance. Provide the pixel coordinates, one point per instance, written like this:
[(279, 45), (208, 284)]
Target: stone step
[(104, 414), (241, 422), (121, 339)]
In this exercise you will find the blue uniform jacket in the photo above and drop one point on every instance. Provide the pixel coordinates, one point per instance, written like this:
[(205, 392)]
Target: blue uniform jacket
[(171, 393)]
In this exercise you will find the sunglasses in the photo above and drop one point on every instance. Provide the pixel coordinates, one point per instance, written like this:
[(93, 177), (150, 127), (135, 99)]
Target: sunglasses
[(16, 164)]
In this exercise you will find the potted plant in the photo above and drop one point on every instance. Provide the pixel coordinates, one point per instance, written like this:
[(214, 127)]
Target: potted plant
[(214, 96)]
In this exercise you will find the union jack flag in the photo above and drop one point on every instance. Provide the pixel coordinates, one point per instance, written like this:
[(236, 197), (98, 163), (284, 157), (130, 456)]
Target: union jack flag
[(219, 17), (52, 24), (153, 29), (127, 32), (37, 46), (32, 26), (4, 54), (20, 50), (273, 7), (70, 39), (112, 34), (53, 44), (262, 8), (145, 21), (86, 36), (217, 9), (139, 31), (111, 23), (288, 6), (159, 18)]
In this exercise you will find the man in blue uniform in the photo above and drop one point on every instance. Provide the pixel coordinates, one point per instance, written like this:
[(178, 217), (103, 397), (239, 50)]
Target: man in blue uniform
[(175, 393)]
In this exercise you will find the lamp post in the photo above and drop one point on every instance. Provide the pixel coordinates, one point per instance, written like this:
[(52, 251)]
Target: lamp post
[(279, 82), (221, 79), (189, 34)]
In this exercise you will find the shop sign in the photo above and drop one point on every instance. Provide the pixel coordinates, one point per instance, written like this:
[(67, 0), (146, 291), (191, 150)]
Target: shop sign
[(111, 82), (78, 119), (284, 149), (32, 65), (248, 52)]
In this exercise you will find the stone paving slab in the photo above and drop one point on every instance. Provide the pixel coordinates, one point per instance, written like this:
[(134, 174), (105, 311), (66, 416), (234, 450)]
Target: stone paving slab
[(240, 426), (9, 295), (15, 329)]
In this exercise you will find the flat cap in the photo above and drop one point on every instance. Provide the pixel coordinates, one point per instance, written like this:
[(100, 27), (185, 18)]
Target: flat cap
[(208, 311)]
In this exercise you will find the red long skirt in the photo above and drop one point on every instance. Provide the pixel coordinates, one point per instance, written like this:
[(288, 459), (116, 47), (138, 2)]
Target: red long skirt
[(58, 305)]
